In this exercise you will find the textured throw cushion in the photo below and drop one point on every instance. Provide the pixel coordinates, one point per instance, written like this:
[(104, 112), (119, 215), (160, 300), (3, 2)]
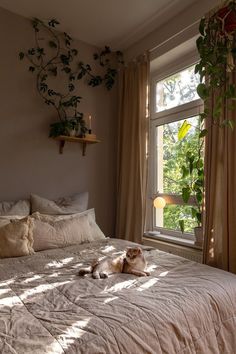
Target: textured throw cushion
[(67, 205), (94, 229), (16, 238), (50, 232), (20, 207), (4, 220)]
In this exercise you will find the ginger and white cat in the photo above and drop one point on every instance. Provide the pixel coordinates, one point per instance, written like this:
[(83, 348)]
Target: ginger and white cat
[(132, 262)]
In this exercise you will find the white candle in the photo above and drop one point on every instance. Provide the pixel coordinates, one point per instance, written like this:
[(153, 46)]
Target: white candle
[(90, 122)]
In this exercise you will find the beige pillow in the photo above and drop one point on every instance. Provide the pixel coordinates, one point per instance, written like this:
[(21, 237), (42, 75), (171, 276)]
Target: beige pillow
[(4, 220), (67, 205), (49, 233), (16, 238), (20, 207), (94, 229)]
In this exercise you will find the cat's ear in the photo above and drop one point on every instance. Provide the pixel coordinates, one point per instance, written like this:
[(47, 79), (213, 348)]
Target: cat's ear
[(139, 250)]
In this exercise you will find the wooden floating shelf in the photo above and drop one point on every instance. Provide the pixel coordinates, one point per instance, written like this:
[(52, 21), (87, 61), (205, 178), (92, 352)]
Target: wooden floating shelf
[(72, 139)]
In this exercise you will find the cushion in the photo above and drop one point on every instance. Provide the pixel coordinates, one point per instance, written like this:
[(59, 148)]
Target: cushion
[(67, 205), (94, 229), (16, 238), (20, 207), (53, 233), (4, 220)]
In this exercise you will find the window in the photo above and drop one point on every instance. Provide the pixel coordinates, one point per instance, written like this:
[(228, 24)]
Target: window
[(174, 99)]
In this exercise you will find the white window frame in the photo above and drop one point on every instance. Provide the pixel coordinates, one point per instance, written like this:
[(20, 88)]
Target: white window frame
[(181, 112)]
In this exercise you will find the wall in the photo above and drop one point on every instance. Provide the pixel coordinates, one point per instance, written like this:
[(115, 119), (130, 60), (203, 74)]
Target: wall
[(29, 160), (186, 21)]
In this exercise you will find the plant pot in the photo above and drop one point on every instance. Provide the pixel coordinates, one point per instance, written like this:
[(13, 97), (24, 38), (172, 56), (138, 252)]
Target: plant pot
[(198, 233), (72, 132)]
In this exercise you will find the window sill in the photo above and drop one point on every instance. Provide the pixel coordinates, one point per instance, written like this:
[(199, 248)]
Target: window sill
[(174, 240)]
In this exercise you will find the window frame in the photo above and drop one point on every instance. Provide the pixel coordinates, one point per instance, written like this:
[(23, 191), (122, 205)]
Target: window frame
[(184, 111)]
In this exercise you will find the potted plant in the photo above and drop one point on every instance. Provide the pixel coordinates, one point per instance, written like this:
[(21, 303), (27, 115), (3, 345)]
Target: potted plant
[(193, 181), (53, 57)]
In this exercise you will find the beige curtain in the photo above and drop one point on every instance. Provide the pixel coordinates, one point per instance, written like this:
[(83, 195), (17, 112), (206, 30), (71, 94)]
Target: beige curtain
[(132, 136), (220, 192)]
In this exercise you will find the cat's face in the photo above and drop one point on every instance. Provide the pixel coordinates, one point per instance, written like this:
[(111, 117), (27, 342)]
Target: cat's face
[(132, 254)]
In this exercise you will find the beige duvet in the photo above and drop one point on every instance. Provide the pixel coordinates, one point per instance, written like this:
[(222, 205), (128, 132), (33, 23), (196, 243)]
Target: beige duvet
[(183, 307)]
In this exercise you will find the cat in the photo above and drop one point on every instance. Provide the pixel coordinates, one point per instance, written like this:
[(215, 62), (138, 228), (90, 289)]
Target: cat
[(132, 262)]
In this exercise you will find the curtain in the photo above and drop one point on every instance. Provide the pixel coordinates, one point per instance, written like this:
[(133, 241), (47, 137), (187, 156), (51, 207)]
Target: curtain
[(132, 141), (220, 190)]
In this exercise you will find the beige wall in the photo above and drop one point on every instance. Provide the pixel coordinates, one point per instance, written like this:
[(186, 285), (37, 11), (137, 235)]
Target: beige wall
[(29, 160)]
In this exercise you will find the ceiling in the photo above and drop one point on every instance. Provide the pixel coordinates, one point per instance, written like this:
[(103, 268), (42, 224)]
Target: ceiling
[(118, 23)]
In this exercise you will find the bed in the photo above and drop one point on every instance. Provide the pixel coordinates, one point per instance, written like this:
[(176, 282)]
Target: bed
[(183, 307)]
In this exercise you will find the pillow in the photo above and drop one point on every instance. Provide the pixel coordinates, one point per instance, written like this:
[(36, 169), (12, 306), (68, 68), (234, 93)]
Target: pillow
[(67, 205), (20, 207), (49, 233), (16, 238), (4, 220), (94, 229)]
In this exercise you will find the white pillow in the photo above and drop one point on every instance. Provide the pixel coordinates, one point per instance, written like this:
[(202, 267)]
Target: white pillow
[(95, 230), (20, 207), (16, 238), (50, 233), (67, 205)]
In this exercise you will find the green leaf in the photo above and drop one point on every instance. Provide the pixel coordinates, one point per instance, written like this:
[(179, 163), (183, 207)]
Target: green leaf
[(183, 130), (53, 22), (202, 91), (202, 27), (203, 133), (181, 225), (199, 218), (21, 55), (52, 44), (186, 194), (194, 212), (184, 171)]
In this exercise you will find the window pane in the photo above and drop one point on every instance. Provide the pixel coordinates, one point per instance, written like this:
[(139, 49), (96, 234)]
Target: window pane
[(177, 89), (171, 154), (169, 217)]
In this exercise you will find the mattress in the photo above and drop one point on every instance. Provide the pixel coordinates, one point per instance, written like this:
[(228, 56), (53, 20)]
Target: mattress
[(182, 307)]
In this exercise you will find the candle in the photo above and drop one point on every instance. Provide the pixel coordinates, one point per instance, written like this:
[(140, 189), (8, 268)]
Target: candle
[(90, 123)]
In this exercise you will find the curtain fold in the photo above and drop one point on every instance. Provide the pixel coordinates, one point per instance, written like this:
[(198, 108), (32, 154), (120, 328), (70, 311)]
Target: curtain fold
[(132, 142), (220, 190)]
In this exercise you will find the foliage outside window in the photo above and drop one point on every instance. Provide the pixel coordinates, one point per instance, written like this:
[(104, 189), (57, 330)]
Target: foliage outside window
[(175, 157)]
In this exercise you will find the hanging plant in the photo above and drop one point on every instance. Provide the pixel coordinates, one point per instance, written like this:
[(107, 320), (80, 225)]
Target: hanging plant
[(217, 50), (54, 57)]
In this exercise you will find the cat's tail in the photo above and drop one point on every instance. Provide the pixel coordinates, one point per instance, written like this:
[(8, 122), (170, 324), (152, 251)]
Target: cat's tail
[(85, 270)]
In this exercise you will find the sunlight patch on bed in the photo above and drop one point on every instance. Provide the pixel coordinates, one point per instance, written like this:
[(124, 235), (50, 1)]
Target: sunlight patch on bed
[(148, 284), (163, 274), (109, 299), (107, 249), (43, 288), (120, 286), (151, 267), (35, 277), (73, 332)]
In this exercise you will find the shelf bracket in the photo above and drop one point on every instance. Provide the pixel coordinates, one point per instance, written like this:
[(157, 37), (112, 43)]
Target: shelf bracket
[(61, 146), (84, 148)]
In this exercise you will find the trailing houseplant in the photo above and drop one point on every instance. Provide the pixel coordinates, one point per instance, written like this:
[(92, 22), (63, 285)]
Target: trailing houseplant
[(193, 178), (54, 57), (217, 50)]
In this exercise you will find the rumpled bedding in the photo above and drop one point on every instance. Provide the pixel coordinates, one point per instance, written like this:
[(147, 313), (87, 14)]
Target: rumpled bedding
[(183, 307)]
